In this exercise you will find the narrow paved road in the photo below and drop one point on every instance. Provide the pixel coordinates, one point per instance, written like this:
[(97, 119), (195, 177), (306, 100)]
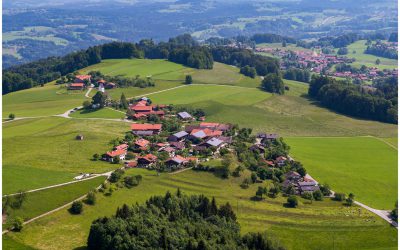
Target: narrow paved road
[(107, 174)]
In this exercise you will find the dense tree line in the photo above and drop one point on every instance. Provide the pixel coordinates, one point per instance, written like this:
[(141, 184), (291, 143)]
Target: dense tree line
[(243, 57), (297, 75), (40, 72), (393, 37), (352, 100), (383, 50), (174, 222)]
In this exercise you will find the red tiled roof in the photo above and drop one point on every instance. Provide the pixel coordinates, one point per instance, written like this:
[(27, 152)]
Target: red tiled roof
[(83, 77), (122, 146), (116, 152), (141, 108), (149, 157), (139, 115), (76, 85), (209, 124), (142, 142), (145, 126)]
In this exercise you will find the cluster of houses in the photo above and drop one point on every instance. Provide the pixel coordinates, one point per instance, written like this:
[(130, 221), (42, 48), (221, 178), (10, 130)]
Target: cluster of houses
[(142, 110), (82, 81), (370, 74), (194, 139), (292, 178)]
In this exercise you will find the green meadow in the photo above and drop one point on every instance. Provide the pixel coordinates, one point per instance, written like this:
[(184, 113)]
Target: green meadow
[(107, 113), (51, 99), (364, 166), (310, 226), (37, 203), (42, 152), (367, 59)]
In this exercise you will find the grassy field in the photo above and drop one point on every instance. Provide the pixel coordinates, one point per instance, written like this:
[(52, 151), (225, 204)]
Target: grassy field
[(366, 59), (311, 226), (100, 113), (364, 166), (292, 114), (42, 152), (40, 202), (41, 101)]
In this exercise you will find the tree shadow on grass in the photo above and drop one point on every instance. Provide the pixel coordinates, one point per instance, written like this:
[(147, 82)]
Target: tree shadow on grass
[(80, 248)]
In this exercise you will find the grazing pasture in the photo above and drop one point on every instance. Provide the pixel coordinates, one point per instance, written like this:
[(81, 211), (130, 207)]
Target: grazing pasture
[(367, 59), (364, 166), (107, 113), (40, 202), (319, 224), (44, 152)]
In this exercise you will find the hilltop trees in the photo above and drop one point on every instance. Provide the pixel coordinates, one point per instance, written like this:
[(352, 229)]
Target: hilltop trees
[(273, 83), (352, 100), (174, 222), (248, 71)]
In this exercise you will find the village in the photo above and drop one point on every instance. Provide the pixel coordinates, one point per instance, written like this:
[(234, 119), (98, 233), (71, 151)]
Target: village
[(192, 142), (323, 63)]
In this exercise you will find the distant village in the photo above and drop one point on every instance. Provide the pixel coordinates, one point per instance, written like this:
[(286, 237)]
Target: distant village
[(322, 63)]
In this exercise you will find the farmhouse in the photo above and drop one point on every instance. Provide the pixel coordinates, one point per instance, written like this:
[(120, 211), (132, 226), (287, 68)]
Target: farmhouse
[(177, 145), (176, 161), (184, 116), (308, 186), (76, 86), (214, 142), (142, 144), (178, 136), (146, 129), (82, 78), (109, 156), (280, 161), (146, 160)]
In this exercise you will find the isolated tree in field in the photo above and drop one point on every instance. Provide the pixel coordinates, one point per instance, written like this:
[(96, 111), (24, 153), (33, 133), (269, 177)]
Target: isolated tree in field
[(18, 224), (76, 207), (130, 181), (377, 62), (292, 201), (96, 157), (11, 116), (245, 184), (91, 198), (261, 191), (188, 79), (284, 43), (99, 99), (273, 83), (86, 105), (123, 102)]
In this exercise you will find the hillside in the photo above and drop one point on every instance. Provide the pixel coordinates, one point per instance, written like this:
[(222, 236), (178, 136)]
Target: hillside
[(40, 149)]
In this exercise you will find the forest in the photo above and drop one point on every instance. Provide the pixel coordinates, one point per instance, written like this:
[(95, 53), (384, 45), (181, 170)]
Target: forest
[(175, 221), (379, 104)]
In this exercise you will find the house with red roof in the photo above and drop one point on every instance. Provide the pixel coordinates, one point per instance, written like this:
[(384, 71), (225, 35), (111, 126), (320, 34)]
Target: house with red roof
[(82, 78), (123, 146), (146, 128), (109, 156), (147, 160), (76, 86), (142, 144)]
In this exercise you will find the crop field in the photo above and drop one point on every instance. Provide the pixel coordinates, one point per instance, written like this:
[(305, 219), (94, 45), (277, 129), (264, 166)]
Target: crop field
[(367, 59), (34, 204), (321, 223), (364, 166), (42, 152)]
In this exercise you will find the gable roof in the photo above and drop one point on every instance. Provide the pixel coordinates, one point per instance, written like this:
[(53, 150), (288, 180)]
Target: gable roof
[(145, 126), (214, 142), (142, 142), (122, 146), (180, 134), (149, 157), (178, 159), (184, 115), (177, 145), (141, 108), (198, 133), (209, 124), (76, 85), (83, 77), (116, 152)]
